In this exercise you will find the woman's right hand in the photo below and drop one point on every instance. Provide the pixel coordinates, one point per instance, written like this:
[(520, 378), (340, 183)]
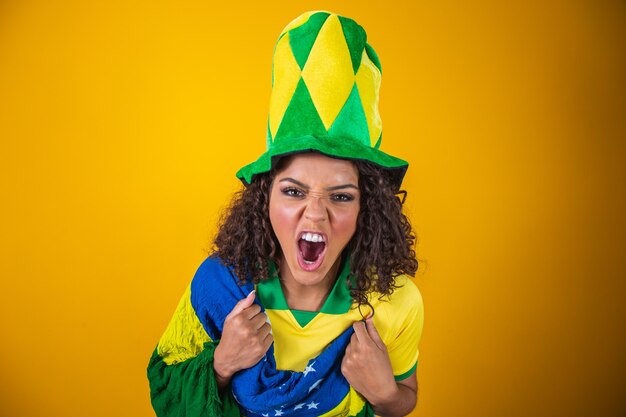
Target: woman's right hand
[(246, 337)]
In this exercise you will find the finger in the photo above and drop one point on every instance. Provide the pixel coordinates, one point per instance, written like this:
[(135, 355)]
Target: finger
[(243, 304), (267, 342), (373, 333), (250, 312), (264, 330), (361, 332), (258, 320), (353, 340)]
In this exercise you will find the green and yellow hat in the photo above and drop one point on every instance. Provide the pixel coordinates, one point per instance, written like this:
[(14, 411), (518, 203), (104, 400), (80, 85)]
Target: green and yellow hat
[(325, 88)]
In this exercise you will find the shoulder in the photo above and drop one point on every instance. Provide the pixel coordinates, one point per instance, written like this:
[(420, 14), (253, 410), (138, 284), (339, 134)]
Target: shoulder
[(406, 295), (213, 280), (212, 277), (214, 292), (403, 308), (211, 267), (399, 319), (210, 273)]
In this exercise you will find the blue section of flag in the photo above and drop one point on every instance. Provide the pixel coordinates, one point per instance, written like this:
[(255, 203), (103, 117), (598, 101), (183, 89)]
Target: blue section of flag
[(264, 391)]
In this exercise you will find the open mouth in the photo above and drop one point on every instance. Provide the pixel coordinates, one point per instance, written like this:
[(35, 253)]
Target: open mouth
[(311, 250)]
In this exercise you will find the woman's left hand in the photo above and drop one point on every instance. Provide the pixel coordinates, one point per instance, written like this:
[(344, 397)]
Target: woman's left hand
[(366, 364)]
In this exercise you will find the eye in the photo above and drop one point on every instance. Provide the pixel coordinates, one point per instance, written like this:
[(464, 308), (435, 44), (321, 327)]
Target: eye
[(342, 197), (292, 192)]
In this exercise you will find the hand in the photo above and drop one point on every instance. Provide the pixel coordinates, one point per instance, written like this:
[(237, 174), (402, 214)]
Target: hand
[(245, 339), (366, 364)]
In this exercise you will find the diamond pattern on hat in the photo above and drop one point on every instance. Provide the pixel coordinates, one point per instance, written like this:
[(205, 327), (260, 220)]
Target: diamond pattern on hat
[(325, 86), (300, 20), (286, 78), (328, 72), (303, 37), (356, 37), (368, 82), (351, 120), (301, 117)]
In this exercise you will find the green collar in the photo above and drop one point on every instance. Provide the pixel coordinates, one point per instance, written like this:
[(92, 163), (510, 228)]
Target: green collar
[(338, 302)]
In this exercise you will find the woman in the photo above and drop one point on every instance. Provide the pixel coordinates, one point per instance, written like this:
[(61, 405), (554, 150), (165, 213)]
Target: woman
[(304, 308)]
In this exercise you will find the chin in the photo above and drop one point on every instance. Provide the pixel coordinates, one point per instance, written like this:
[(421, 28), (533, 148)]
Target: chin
[(308, 278), (312, 273)]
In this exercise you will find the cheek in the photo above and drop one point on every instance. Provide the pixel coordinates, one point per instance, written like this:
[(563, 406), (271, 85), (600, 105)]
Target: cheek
[(283, 219), (345, 224)]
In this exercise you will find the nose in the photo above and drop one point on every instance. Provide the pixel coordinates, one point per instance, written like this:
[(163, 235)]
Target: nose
[(315, 209)]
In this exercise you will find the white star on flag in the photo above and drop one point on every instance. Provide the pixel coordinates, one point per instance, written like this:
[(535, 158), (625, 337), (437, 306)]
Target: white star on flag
[(266, 415), (299, 406), (312, 405), (316, 384), (279, 412), (309, 368)]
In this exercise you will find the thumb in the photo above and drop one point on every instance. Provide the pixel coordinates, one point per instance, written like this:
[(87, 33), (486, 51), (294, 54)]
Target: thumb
[(244, 303), (373, 332)]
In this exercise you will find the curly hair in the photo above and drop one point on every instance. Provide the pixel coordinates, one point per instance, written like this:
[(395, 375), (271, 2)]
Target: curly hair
[(380, 250)]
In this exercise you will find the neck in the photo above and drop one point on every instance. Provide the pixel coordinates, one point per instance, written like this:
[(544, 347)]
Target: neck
[(307, 297)]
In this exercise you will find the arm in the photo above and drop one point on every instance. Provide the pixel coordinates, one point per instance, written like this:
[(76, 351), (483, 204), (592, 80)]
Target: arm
[(189, 373), (402, 402)]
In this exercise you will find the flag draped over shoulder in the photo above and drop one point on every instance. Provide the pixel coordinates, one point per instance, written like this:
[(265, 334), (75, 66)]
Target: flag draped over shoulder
[(260, 391)]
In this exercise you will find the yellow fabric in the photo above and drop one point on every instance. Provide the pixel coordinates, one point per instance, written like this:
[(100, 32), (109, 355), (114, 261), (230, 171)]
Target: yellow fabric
[(286, 77), (299, 21), (184, 337), (294, 346), (404, 319), (399, 322), (329, 85), (368, 80)]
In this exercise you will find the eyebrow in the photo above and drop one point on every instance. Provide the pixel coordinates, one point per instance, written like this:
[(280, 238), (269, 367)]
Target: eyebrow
[(333, 188)]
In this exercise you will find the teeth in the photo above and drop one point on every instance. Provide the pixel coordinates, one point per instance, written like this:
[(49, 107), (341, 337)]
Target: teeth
[(312, 237)]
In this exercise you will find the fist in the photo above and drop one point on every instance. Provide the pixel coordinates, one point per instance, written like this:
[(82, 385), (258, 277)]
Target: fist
[(246, 337), (366, 363)]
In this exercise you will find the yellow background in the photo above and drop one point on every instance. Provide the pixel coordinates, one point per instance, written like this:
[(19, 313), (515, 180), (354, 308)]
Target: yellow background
[(122, 124)]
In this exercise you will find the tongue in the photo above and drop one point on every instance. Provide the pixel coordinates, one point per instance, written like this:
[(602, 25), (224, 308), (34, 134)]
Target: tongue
[(310, 250)]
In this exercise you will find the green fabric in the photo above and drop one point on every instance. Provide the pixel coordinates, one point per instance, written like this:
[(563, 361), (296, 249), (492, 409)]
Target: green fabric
[(373, 56), (302, 38), (351, 119), (380, 138), (303, 317), (338, 301), (345, 148), (270, 292), (355, 38), (301, 117), (366, 411), (189, 388), (406, 374)]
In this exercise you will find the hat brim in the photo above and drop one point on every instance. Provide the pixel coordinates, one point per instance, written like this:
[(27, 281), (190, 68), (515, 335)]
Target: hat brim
[(344, 148)]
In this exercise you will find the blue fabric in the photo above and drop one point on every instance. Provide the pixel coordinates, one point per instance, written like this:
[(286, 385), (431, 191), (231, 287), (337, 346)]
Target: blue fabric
[(263, 391)]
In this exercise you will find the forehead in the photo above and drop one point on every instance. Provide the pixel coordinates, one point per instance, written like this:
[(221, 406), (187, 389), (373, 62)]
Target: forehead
[(317, 168)]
